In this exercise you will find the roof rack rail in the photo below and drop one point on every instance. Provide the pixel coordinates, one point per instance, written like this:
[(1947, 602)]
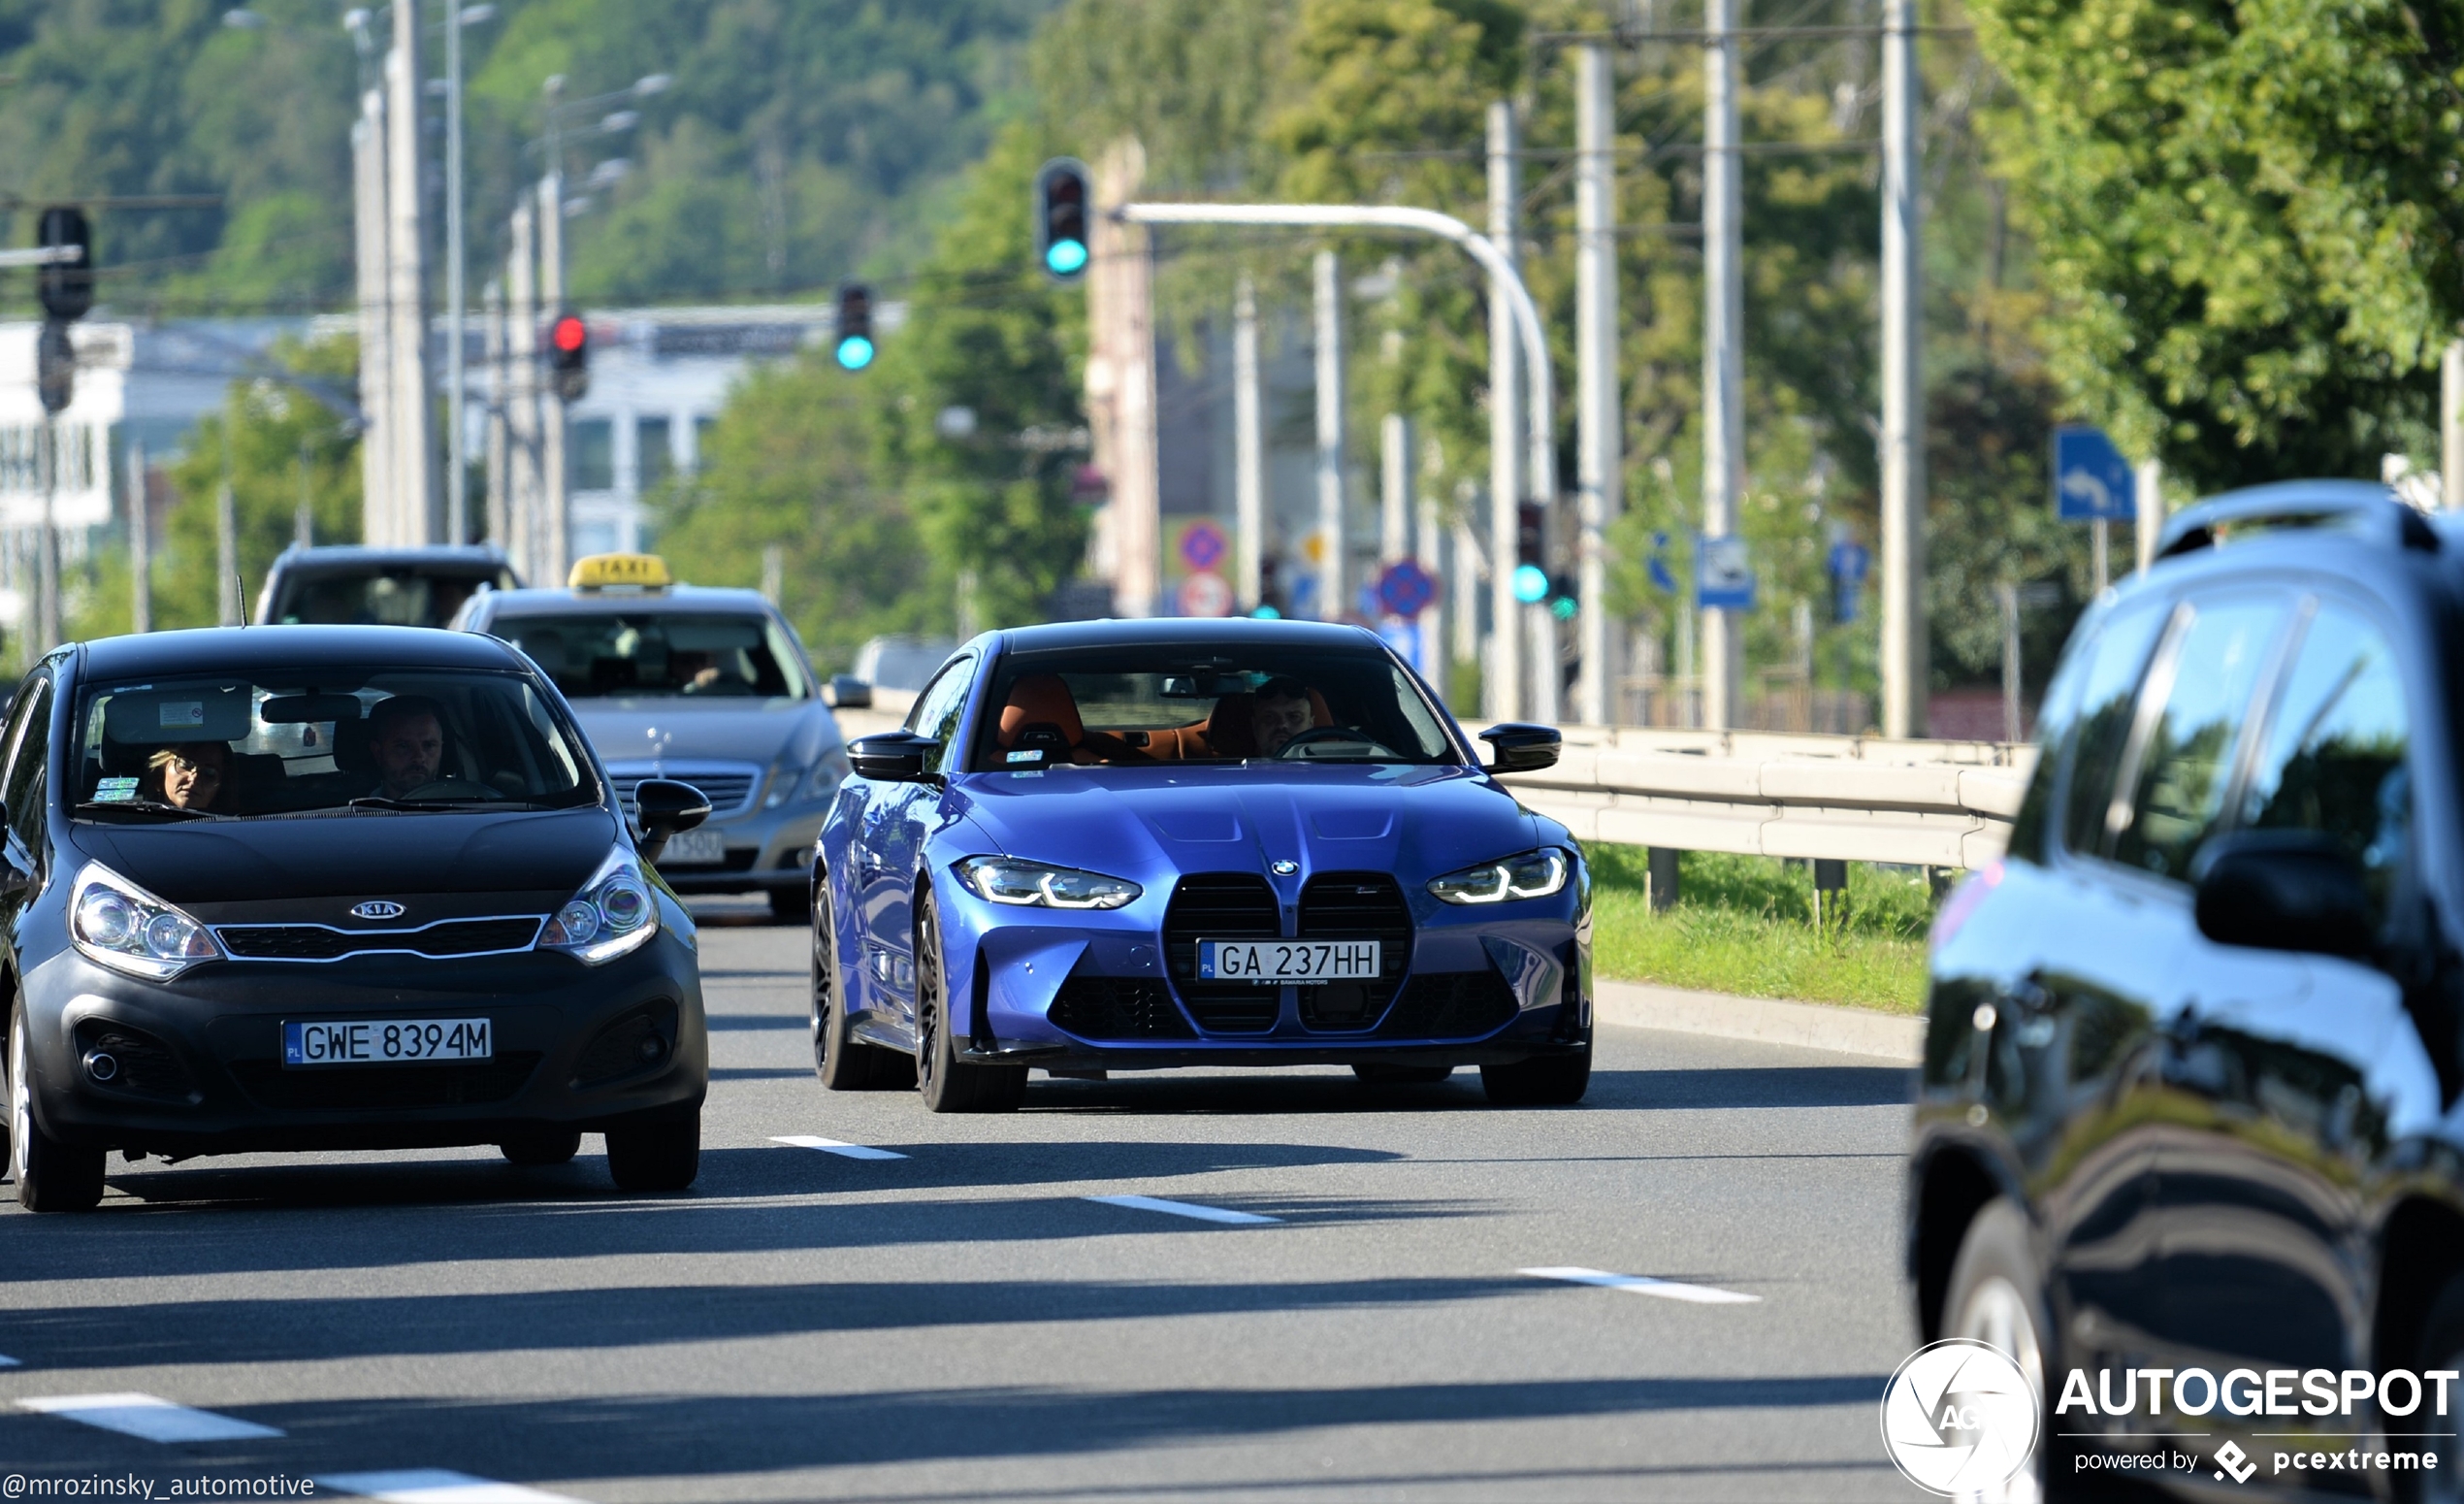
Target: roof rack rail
[(2362, 507)]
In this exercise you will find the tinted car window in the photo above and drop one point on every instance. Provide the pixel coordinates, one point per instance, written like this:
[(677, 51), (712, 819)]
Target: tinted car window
[(2188, 757), (2334, 755), (395, 598), (2099, 721), (28, 775), (331, 740), (635, 653), (936, 710)]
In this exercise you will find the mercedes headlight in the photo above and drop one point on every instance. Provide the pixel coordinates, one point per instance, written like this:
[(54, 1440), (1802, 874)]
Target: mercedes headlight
[(614, 913), (1535, 874), (1040, 885), (121, 926), (813, 785)]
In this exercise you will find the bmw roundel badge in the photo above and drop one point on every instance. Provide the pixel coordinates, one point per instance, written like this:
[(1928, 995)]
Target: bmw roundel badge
[(1286, 866), (376, 909)]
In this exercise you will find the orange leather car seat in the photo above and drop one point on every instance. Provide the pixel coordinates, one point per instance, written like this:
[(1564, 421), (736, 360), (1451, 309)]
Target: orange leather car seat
[(1041, 712)]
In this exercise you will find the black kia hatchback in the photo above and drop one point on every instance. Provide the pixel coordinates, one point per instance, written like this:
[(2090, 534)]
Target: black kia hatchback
[(2189, 1096), (309, 888)]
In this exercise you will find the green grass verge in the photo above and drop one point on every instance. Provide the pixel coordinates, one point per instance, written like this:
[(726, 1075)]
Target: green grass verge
[(1746, 924)]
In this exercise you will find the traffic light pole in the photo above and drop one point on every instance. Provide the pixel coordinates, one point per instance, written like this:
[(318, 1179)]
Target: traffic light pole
[(1542, 470)]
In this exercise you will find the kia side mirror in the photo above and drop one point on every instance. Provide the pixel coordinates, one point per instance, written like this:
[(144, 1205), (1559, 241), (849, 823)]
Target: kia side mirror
[(846, 691), (892, 757), (1520, 747), (663, 807), (2283, 891)]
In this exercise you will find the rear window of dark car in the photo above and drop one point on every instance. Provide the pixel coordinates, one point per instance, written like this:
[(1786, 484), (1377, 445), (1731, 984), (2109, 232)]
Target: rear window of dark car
[(377, 597)]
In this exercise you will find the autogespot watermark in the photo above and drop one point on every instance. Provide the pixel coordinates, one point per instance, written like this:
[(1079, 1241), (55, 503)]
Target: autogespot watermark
[(1960, 1417)]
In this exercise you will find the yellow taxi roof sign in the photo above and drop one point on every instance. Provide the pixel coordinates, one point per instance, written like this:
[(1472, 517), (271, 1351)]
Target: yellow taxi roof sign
[(603, 571)]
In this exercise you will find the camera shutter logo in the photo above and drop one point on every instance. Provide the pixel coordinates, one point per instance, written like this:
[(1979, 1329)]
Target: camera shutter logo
[(1959, 1417), (376, 909)]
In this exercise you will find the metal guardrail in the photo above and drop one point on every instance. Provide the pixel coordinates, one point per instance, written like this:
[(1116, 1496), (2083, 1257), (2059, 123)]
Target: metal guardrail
[(1855, 799)]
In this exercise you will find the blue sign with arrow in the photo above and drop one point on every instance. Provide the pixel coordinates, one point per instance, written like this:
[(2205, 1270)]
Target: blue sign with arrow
[(2091, 482)]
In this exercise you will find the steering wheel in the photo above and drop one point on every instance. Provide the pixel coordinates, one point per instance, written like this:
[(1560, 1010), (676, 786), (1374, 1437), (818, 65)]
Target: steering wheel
[(1317, 734), (453, 788)]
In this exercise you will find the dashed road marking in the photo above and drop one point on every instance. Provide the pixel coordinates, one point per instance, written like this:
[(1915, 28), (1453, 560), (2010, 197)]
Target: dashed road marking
[(1645, 1285), (438, 1486), (1149, 1203), (834, 1146), (147, 1417)]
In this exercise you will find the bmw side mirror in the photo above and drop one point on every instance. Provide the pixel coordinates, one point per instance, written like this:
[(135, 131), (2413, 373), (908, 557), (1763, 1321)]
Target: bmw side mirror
[(846, 691), (663, 807), (1521, 747), (2283, 891), (892, 757)]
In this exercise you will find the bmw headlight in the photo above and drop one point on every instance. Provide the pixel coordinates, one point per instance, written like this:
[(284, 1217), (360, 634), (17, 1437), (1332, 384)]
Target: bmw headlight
[(1040, 885), (614, 913), (1535, 874), (121, 926)]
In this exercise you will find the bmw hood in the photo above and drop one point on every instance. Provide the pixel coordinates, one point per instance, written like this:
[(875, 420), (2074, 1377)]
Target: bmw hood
[(792, 733), (1150, 822)]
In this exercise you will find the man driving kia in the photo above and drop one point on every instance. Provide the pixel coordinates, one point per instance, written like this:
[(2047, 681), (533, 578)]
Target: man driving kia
[(406, 736)]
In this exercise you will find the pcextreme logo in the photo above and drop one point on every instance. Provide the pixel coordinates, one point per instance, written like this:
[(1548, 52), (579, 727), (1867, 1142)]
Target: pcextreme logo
[(1959, 1417)]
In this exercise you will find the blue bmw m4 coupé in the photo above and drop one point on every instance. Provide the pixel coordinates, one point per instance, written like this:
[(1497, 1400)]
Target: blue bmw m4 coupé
[(1129, 846)]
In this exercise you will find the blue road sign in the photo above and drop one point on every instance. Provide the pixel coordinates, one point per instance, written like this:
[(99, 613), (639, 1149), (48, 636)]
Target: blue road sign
[(1406, 589), (1723, 575), (1847, 566), (2091, 481)]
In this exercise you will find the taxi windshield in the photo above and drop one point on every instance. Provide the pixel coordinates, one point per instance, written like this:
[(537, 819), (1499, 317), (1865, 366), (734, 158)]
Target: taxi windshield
[(320, 741), (1130, 706), (719, 655)]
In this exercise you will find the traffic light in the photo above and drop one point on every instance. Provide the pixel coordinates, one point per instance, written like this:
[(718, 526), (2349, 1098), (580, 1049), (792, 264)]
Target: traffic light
[(854, 326), (569, 353), (66, 287), (1530, 553), (1063, 193), (1563, 603)]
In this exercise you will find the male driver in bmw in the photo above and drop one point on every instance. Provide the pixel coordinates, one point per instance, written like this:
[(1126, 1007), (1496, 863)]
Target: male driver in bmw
[(407, 736), (1280, 712)]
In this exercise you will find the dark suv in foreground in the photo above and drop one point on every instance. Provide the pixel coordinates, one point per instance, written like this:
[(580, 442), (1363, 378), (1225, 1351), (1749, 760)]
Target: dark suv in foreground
[(2191, 1064)]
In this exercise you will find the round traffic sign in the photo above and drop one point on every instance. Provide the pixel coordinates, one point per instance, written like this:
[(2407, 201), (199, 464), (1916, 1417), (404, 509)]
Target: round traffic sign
[(1406, 589), (1206, 593), (1202, 545)]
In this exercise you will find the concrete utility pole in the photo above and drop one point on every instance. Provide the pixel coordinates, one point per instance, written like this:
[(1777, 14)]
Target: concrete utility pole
[(521, 397), (2149, 482), (1905, 648), (1465, 576), (371, 226), (457, 441), (555, 516), (226, 540), (499, 459), (47, 564), (1599, 407), (1501, 683), (1426, 533), (2451, 425), (1395, 504), (1120, 384), (414, 490), (1327, 325), (140, 545), (1248, 451), (1723, 668)]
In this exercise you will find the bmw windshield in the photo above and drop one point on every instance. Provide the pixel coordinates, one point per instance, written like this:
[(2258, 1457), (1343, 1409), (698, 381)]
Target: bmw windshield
[(327, 741), (1179, 702)]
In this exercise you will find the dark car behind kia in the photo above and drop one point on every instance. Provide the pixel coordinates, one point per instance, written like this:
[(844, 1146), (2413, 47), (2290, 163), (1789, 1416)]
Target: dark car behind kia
[(2189, 1088), (332, 888)]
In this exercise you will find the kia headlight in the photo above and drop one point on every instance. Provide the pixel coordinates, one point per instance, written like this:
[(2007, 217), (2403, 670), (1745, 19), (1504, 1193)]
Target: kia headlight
[(1535, 874), (121, 926), (1041, 885), (613, 914)]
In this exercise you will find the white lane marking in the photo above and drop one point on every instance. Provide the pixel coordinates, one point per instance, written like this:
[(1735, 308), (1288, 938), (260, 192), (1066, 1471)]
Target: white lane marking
[(1645, 1285), (1149, 1203), (147, 1417), (438, 1486), (834, 1146)]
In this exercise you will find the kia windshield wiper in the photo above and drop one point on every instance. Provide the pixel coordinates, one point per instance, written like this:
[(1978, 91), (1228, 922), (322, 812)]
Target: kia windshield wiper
[(151, 807)]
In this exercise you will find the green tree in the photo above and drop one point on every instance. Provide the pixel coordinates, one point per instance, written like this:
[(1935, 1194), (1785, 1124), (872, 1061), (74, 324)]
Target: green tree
[(2247, 216)]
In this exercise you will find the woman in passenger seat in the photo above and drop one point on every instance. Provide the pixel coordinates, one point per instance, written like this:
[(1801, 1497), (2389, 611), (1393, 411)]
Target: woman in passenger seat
[(190, 775)]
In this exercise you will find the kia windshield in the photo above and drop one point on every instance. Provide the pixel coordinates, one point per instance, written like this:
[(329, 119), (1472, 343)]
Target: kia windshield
[(714, 655), (326, 740), (1134, 707)]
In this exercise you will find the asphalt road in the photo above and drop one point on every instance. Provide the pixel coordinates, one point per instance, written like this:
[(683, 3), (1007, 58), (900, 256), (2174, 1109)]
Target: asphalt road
[(964, 1322)]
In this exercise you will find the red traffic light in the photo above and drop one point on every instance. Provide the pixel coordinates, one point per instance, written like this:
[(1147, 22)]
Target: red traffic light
[(569, 355), (570, 335)]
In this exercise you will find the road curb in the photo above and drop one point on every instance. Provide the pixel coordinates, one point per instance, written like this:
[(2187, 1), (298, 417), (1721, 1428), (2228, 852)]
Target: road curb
[(1813, 1025)]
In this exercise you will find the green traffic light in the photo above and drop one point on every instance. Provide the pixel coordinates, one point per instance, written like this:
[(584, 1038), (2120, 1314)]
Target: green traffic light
[(1564, 607), (855, 352), (1065, 258)]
